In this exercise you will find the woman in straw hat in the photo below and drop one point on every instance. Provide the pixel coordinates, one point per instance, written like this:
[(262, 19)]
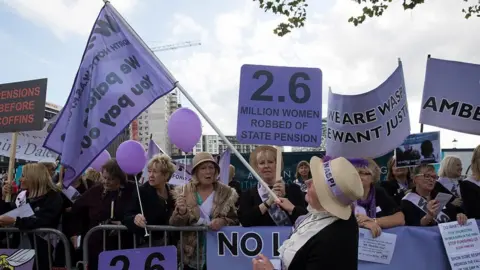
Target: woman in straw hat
[(257, 207), (326, 238), (204, 201)]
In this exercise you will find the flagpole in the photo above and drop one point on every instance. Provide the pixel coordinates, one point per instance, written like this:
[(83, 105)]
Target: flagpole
[(187, 95)]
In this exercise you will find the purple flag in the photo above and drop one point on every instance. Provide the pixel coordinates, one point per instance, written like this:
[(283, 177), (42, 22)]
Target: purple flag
[(118, 78), (369, 124), (451, 96), (224, 164)]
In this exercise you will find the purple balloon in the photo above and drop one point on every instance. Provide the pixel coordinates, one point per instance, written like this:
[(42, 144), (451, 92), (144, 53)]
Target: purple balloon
[(184, 129), (131, 157), (100, 160)]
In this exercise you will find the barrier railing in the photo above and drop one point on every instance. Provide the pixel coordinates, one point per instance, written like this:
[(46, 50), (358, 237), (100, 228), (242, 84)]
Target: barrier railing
[(51, 237), (151, 243)]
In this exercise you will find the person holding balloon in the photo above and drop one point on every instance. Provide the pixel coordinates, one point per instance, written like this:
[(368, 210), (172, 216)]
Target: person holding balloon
[(204, 201), (104, 204), (156, 199), (258, 207)]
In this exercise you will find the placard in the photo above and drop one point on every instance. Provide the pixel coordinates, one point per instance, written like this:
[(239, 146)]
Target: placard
[(280, 106), (153, 258), (420, 148), (377, 250), (22, 105), (462, 244)]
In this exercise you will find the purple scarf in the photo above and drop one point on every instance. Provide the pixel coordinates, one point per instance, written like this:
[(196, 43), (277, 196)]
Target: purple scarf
[(369, 204)]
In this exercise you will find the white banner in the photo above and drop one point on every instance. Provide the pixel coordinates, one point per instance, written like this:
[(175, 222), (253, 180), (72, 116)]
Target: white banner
[(29, 145)]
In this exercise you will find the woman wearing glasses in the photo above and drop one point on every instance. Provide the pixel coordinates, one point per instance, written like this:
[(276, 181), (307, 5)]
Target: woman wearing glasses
[(420, 207)]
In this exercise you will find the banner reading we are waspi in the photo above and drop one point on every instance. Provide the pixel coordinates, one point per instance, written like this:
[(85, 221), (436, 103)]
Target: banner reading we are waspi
[(369, 124), (118, 78)]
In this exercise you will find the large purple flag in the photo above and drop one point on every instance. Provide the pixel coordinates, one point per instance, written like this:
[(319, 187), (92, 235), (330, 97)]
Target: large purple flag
[(369, 124), (451, 96), (117, 79), (224, 164)]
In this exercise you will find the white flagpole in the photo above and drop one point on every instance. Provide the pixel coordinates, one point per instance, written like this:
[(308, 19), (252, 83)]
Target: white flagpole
[(199, 109)]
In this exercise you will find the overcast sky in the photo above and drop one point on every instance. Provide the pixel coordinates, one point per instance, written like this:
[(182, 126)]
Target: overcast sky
[(46, 39)]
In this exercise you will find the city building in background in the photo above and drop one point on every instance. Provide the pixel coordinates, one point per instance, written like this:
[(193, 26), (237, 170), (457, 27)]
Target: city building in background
[(51, 110), (214, 145), (153, 122), (315, 149)]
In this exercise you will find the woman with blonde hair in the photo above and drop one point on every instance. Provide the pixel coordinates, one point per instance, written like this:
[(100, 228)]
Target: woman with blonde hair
[(450, 176), (470, 187), (204, 201), (46, 201), (157, 201), (302, 175), (375, 210), (257, 207)]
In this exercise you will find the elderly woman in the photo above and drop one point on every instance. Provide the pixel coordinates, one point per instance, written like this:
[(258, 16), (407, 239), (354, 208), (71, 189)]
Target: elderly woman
[(46, 201), (157, 201), (103, 204), (470, 187), (375, 210), (257, 207), (420, 207), (302, 174), (203, 201), (450, 175), (398, 181), (326, 238)]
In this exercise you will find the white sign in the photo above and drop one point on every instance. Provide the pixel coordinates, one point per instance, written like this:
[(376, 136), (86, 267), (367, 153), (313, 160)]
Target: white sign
[(377, 250), (29, 146), (462, 244)]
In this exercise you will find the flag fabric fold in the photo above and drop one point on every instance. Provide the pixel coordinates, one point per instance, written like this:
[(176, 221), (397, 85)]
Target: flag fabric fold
[(118, 78), (224, 164)]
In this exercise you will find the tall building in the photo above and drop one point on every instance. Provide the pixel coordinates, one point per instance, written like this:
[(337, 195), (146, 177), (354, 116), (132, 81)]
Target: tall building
[(153, 122), (214, 144), (322, 146)]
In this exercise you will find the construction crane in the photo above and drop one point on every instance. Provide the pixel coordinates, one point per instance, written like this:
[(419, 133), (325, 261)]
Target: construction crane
[(171, 47)]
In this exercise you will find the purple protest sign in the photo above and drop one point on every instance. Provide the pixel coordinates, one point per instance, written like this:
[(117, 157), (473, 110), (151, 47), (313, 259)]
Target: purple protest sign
[(369, 124), (451, 96), (21, 259), (158, 258), (280, 106)]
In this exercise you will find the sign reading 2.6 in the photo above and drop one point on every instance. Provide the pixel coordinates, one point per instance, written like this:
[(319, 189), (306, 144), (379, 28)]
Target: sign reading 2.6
[(155, 258), (293, 87), (280, 106)]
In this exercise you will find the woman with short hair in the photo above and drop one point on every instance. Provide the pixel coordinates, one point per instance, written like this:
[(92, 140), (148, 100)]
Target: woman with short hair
[(420, 207), (257, 206), (204, 201), (157, 201)]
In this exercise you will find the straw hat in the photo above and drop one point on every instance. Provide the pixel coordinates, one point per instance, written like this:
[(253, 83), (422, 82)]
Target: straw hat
[(254, 154), (203, 157), (337, 184)]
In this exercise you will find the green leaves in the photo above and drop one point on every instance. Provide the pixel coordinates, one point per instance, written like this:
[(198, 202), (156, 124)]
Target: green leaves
[(295, 11)]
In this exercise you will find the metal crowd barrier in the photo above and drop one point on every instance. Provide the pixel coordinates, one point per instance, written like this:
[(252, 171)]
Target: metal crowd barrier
[(154, 228), (43, 233)]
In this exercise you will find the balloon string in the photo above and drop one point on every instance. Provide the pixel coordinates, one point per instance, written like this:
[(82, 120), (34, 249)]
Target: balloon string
[(140, 202), (185, 170)]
